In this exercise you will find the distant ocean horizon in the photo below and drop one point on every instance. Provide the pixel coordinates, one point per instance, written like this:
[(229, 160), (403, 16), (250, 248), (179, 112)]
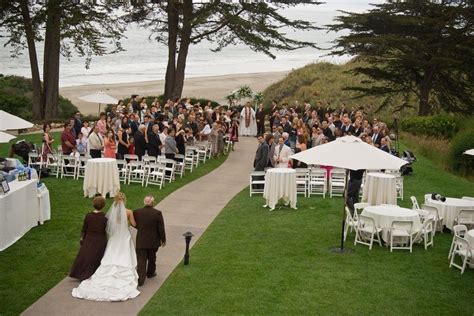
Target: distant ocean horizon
[(145, 60)]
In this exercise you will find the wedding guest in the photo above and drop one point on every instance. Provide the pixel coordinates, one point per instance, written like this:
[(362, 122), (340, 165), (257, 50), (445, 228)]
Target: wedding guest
[(170, 145), (102, 124), (140, 142), (77, 123), (86, 129), (213, 139), (110, 145), (150, 237), (47, 141), (131, 146), (123, 143), (260, 118), (384, 144), (180, 141), (154, 141), (81, 144), (68, 141), (96, 144), (93, 242), (282, 154), (220, 138), (261, 156), (300, 146), (234, 131)]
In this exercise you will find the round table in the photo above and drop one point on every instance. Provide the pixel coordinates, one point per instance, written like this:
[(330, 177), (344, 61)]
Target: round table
[(380, 188), (450, 209), (384, 215), (280, 183), (101, 176)]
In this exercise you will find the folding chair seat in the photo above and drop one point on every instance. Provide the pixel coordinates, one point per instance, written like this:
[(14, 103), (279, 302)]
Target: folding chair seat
[(337, 182), (458, 231), (136, 172), (401, 233), (426, 233), (148, 159), (53, 164), (179, 166), (69, 166), (317, 182), (169, 169), (366, 231), (189, 160), (155, 174), (302, 179), (463, 250), (257, 182)]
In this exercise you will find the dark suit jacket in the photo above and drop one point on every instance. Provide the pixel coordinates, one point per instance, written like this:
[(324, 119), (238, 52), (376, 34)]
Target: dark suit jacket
[(260, 117), (154, 144), (261, 157), (150, 228), (140, 144), (346, 129), (377, 139)]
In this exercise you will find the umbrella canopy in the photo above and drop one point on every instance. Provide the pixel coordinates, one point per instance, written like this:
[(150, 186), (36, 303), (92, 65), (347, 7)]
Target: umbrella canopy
[(349, 152), (5, 137), (469, 152), (9, 121), (99, 97)]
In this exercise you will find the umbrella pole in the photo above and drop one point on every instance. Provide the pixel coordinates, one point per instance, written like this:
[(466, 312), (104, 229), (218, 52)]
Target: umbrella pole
[(341, 248)]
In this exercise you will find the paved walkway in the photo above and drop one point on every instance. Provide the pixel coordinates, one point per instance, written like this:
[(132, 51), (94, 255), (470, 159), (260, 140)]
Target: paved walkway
[(190, 208)]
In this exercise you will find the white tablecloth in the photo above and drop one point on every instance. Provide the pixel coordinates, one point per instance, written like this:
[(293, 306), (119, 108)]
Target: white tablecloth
[(19, 210), (380, 188), (280, 183), (450, 209), (101, 176), (384, 215), (44, 205)]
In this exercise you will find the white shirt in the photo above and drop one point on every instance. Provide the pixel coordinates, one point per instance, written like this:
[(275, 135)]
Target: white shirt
[(283, 155)]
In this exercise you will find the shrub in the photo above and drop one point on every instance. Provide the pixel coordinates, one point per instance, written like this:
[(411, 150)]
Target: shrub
[(66, 108), (463, 141), (438, 125), (15, 104)]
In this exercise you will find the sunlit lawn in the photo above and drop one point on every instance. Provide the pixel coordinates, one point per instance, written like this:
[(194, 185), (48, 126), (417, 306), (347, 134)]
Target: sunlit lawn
[(252, 261), (43, 257)]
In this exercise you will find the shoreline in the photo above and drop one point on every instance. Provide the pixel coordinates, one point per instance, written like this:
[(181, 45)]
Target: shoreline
[(210, 87)]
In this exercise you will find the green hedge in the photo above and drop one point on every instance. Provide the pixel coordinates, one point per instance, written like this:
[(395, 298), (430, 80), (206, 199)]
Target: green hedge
[(463, 141), (438, 125)]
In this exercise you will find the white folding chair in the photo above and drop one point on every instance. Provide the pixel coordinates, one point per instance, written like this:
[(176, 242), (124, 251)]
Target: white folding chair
[(366, 231), (123, 170), (69, 166), (35, 161), (194, 149), (399, 186), (458, 231), (169, 169), (257, 182), (337, 182), (463, 250), (302, 178), (427, 197), (136, 172), (351, 222), (359, 207), (414, 202), (81, 167), (465, 217), (179, 165), (189, 160), (53, 164), (202, 153), (148, 159), (129, 157), (155, 174), (433, 212), (426, 233), (317, 182), (401, 233)]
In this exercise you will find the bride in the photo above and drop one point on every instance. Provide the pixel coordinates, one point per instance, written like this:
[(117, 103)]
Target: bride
[(116, 279)]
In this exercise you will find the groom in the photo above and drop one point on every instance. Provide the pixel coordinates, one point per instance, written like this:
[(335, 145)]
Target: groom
[(150, 236)]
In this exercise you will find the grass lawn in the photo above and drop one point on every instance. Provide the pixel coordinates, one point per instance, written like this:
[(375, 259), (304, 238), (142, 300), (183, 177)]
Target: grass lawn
[(43, 257), (252, 261)]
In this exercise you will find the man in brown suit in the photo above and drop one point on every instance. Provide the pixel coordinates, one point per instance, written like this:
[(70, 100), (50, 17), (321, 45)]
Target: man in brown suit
[(150, 236)]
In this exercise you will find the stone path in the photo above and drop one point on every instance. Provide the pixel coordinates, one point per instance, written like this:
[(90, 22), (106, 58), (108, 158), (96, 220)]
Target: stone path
[(190, 208)]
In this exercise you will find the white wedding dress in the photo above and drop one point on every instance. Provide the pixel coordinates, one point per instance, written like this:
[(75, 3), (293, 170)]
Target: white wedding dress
[(250, 130), (116, 279)]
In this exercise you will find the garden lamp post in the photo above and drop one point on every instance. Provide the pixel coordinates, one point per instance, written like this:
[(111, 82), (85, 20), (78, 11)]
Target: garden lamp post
[(187, 239)]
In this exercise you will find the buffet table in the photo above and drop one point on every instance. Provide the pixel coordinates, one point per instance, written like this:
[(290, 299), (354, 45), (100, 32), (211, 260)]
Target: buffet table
[(101, 176), (19, 209)]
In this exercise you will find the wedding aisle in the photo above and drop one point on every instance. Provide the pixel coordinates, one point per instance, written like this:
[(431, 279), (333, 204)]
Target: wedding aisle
[(191, 208)]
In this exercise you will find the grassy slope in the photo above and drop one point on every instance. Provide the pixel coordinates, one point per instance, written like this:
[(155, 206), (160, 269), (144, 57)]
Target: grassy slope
[(251, 261), (43, 257)]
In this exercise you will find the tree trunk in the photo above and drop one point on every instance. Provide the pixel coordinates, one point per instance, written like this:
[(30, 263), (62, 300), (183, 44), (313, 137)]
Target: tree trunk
[(52, 47), (37, 108), (426, 85), (173, 25), (185, 41)]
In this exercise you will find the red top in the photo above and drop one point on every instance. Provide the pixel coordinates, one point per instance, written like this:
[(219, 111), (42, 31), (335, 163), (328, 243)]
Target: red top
[(67, 136)]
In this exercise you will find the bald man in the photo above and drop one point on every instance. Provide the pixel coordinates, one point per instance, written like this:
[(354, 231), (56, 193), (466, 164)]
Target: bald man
[(150, 236)]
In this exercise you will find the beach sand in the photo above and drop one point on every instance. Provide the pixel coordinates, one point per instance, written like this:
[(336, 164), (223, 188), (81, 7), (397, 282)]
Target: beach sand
[(214, 88)]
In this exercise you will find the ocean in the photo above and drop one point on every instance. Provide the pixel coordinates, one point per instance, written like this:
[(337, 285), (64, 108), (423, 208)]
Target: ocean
[(145, 60)]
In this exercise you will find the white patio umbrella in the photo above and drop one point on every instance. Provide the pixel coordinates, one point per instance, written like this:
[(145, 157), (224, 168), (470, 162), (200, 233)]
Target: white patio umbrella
[(9, 121), (99, 97), (351, 153), (469, 152), (5, 137)]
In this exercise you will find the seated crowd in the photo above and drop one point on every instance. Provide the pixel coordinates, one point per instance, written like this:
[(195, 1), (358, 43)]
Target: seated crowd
[(298, 128), (142, 129)]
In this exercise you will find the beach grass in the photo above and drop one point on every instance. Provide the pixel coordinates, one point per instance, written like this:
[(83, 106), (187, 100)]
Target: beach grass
[(252, 261), (43, 257)]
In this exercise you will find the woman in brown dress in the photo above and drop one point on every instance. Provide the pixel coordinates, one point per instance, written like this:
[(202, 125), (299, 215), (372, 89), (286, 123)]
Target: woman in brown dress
[(93, 242)]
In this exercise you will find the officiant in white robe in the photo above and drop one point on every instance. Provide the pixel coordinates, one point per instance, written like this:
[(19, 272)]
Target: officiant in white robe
[(248, 124)]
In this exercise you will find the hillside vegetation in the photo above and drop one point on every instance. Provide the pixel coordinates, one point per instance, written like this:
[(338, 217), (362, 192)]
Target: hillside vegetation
[(324, 82)]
